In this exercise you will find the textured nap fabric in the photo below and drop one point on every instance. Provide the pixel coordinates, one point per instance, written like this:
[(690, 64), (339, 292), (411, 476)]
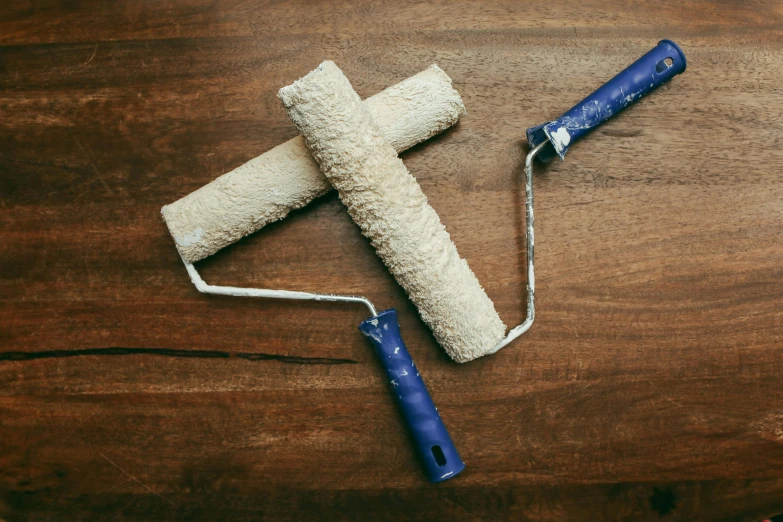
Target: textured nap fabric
[(387, 203), (267, 188)]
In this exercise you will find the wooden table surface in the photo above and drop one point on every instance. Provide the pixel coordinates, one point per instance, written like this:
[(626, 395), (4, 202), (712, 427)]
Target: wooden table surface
[(649, 387)]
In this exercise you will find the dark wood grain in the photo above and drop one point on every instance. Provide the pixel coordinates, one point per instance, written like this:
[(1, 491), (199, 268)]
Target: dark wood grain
[(648, 389)]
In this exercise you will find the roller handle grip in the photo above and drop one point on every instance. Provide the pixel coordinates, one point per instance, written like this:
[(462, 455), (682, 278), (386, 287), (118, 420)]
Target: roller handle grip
[(434, 445), (660, 64)]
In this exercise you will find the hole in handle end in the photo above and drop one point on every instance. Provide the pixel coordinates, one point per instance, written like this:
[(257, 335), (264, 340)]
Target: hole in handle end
[(440, 458)]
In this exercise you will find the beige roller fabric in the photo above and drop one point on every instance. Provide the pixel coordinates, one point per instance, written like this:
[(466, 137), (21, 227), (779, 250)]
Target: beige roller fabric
[(267, 188), (387, 203)]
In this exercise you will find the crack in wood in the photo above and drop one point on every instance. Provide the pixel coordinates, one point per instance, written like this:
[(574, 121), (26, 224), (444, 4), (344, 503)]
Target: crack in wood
[(167, 352)]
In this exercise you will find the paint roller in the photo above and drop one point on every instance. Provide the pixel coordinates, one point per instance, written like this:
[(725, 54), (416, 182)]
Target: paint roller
[(385, 200), (268, 187)]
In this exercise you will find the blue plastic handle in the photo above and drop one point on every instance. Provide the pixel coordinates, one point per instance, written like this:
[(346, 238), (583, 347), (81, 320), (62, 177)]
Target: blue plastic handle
[(655, 68), (433, 443)]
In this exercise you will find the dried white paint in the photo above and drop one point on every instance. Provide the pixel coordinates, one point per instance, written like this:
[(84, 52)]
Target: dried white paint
[(190, 239), (560, 138), (267, 188), (388, 205)]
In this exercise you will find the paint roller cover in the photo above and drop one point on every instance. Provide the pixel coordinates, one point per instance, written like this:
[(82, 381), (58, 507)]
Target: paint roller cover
[(387, 203), (267, 188)]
